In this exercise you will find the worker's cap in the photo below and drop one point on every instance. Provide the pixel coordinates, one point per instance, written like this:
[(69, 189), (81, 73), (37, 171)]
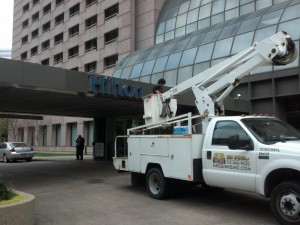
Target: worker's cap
[(162, 81)]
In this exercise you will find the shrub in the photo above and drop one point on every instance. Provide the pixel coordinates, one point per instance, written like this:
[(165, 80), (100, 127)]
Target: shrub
[(6, 193)]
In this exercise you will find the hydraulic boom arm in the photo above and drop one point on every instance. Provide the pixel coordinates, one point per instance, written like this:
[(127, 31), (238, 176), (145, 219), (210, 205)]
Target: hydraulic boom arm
[(213, 85)]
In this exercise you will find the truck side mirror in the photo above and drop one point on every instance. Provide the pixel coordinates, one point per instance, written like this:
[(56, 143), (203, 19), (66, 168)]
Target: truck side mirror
[(234, 142)]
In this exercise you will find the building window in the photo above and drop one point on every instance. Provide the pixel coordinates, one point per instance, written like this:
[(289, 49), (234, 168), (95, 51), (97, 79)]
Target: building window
[(35, 17), (110, 61), (59, 19), (72, 128), (73, 52), (47, 8), (89, 127), (111, 36), (31, 136), (25, 24), (25, 40), (75, 69), (46, 26), (34, 2), (20, 136), (90, 2), (90, 67), (43, 135), (34, 34), (45, 45), (111, 11), (58, 58), (57, 134), (74, 30), (45, 62), (58, 38), (91, 44), (74, 10), (26, 8), (58, 2), (90, 22), (24, 56), (34, 51)]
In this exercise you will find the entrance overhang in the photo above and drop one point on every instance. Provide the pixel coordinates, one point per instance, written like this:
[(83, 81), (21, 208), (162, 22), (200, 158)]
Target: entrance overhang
[(43, 90)]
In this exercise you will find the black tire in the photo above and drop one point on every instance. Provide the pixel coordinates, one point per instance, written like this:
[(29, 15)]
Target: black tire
[(138, 179), (157, 184), (5, 159), (28, 160), (285, 203)]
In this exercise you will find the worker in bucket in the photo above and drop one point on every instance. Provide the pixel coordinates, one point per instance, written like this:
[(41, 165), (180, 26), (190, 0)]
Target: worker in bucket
[(157, 89)]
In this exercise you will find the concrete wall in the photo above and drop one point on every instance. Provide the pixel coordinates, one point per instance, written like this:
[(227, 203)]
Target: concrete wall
[(147, 14), (136, 22)]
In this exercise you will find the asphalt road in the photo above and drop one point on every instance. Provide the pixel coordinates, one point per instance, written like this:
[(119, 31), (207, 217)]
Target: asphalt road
[(88, 192)]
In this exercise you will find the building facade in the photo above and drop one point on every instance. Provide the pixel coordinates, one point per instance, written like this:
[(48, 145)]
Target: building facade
[(84, 35), (145, 40)]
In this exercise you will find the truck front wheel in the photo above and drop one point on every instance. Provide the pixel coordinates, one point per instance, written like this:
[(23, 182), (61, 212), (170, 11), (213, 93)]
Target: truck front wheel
[(156, 184), (285, 203)]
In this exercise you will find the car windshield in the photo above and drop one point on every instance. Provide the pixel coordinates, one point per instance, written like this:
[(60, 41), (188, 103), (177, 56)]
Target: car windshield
[(270, 131), (17, 144)]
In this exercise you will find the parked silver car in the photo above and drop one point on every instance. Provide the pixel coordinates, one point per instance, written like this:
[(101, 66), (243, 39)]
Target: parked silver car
[(15, 150)]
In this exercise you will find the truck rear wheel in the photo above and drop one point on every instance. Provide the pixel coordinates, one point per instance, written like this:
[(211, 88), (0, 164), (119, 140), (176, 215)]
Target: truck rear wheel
[(157, 185), (285, 203)]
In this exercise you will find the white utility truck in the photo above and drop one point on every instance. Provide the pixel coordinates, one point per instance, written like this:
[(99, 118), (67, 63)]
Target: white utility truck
[(258, 154)]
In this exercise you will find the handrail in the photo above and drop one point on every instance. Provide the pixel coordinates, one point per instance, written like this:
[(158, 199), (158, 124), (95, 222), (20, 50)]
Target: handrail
[(121, 136), (185, 117)]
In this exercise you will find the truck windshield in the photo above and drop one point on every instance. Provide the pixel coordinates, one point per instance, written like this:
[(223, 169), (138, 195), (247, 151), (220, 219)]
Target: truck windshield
[(270, 131)]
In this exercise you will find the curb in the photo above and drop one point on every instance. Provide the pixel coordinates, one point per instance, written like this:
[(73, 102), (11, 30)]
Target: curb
[(19, 213)]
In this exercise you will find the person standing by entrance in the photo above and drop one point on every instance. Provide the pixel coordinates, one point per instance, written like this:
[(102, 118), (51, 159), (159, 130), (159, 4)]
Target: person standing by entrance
[(79, 147)]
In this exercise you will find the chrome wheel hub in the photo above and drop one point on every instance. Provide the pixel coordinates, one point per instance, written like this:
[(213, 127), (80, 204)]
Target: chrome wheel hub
[(154, 184), (290, 205)]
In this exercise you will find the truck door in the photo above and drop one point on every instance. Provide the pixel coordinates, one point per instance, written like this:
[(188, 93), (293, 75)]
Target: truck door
[(228, 168)]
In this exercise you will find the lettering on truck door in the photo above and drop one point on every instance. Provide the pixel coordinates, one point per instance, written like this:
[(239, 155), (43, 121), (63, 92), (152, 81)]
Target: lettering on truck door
[(225, 167)]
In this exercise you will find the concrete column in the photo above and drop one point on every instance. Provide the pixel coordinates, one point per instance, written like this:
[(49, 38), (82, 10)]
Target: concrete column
[(110, 137), (80, 128), (100, 132), (36, 135), (25, 134)]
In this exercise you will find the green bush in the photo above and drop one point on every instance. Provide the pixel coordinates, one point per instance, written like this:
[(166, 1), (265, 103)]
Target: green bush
[(6, 193)]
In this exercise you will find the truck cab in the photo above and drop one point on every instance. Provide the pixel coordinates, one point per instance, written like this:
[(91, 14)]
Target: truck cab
[(241, 152)]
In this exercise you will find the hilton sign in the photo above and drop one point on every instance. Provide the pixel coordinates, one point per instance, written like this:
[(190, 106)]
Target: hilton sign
[(111, 86)]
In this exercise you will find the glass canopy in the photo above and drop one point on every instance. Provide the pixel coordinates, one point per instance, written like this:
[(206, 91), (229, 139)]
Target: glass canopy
[(194, 35)]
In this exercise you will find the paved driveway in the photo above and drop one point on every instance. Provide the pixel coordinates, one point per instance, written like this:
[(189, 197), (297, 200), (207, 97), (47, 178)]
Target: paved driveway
[(88, 192)]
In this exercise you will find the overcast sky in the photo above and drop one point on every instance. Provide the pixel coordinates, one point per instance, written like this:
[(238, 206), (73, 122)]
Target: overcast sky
[(6, 22)]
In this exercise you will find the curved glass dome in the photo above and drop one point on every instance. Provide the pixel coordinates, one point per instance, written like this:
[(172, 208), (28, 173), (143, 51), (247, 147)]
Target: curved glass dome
[(183, 57), (180, 17)]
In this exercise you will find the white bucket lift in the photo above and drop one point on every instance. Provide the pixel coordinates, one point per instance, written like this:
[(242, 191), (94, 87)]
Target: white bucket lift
[(156, 111)]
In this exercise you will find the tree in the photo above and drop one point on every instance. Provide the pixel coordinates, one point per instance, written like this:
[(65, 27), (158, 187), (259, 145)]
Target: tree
[(13, 128), (3, 129)]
